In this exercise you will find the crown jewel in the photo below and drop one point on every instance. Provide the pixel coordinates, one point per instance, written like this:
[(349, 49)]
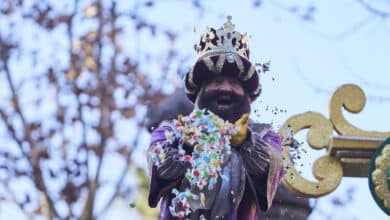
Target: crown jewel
[(223, 40)]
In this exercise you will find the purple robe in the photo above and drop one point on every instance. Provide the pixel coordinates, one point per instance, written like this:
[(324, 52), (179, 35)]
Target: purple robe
[(254, 171)]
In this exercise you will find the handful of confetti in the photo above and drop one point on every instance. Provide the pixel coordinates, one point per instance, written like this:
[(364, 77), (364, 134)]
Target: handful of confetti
[(210, 137)]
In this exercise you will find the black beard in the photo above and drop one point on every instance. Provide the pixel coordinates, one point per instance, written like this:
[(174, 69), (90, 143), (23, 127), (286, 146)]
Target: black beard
[(226, 104)]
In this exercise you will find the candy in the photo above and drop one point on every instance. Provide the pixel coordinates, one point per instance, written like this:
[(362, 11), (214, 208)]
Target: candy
[(169, 136), (156, 150), (215, 163), (162, 156), (181, 215), (213, 181), (190, 195), (188, 176), (175, 191), (205, 175), (186, 205), (210, 137), (181, 151), (182, 196), (202, 198), (196, 173), (198, 148), (201, 184), (193, 130), (187, 158), (198, 112)]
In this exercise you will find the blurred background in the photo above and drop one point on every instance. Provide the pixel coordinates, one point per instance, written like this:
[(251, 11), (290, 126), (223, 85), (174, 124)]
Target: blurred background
[(81, 81)]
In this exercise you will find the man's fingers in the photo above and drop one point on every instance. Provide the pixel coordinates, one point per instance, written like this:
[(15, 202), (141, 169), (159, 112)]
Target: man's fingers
[(243, 121)]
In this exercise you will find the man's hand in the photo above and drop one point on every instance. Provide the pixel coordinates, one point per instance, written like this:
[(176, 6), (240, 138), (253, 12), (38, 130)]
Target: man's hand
[(240, 137)]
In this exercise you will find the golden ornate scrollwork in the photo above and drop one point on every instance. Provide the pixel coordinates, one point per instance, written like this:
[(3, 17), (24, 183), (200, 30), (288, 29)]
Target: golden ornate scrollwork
[(327, 170), (352, 98), (343, 150)]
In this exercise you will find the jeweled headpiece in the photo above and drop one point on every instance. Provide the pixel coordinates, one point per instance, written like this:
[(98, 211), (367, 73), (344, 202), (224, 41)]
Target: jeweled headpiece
[(223, 40), (222, 51)]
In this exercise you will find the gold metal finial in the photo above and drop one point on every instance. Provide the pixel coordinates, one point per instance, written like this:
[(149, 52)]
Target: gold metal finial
[(229, 26)]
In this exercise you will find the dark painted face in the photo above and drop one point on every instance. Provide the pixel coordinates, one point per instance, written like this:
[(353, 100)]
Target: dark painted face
[(225, 97)]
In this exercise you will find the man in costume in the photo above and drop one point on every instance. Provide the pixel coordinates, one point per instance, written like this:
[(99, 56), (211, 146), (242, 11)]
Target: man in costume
[(225, 82)]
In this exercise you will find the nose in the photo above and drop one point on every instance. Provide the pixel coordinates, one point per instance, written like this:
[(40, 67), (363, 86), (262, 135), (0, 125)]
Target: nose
[(230, 85), (226, 85)]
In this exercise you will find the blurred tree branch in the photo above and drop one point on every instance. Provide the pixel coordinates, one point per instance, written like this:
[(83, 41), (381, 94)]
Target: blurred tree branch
[(307, 12), (81, 95), (35, 153), (374, 10)]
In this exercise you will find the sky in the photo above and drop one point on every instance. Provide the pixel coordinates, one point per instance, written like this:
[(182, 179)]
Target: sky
[(309, 61), (343, 43)]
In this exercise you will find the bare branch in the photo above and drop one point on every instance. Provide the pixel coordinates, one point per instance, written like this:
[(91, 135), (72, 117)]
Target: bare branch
[(104, 123), (37, 173), (121, 177), (375, 11)]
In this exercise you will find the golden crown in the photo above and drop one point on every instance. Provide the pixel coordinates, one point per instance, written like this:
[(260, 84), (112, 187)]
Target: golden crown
[(223, 40)]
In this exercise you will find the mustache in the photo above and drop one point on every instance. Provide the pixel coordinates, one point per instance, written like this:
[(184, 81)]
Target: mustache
[(214, 93), (210, 99)]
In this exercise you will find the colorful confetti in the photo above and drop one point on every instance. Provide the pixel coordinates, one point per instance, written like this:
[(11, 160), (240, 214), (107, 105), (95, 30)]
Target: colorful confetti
[(210, 137)]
